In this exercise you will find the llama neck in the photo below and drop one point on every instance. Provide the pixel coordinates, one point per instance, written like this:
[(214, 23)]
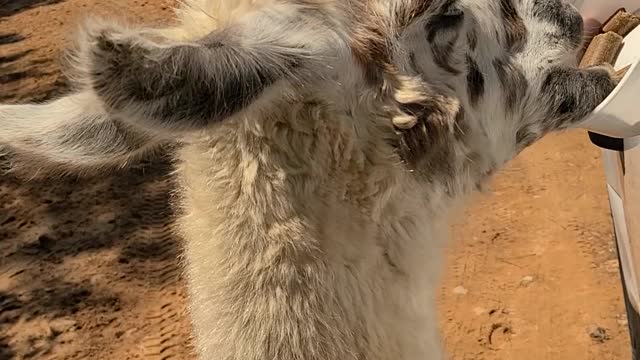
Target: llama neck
[(248, 207)]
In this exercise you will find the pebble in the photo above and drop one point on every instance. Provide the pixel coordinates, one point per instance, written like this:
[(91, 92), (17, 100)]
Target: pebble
[(96, 279), (622, 320), (611, 266), (599, 334), (460, 290), (479, 311), (60, 326), (527, 280)]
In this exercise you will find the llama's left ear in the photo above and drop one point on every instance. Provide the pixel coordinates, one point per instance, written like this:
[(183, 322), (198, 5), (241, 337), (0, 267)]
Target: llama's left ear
[(182, 86)]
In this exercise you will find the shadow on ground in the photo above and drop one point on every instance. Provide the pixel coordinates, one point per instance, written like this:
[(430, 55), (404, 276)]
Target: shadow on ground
[(18, 67), (57, 236), (13, 7)]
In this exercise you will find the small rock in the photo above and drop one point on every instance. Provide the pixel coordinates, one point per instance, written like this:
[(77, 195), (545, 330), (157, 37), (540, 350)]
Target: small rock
[(612, 266), (60, 326), (479, 311), (66, 338), (622, 320), (599, 334), (106, 217), (527, 280), (96, 279), (460, 290)]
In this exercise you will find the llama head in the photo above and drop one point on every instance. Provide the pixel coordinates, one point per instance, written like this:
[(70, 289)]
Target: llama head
[(512, 66)]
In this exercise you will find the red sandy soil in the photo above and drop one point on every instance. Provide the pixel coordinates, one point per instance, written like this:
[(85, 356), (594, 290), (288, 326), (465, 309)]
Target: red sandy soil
[(89, 268)]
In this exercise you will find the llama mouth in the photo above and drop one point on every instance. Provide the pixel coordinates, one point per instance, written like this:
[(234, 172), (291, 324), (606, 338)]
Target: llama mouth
[(591, 27)]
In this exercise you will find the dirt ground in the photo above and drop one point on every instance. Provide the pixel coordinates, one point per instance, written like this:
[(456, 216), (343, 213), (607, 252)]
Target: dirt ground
[(89, 269)]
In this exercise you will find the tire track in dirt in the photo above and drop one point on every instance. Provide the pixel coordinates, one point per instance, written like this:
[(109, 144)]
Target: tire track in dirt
[(88, 268), (151, 256), (105, 261), (166, 326), (166, 341)]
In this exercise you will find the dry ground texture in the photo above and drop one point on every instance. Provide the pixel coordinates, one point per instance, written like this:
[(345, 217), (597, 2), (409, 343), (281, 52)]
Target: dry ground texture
[(89, 270)]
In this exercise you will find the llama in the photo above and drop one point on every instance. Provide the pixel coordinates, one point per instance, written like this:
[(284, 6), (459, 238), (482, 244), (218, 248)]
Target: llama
[(322, 146)]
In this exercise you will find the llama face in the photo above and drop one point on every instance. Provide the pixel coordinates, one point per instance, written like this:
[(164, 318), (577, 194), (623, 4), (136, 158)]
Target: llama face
[(455, 30), (510, 63)]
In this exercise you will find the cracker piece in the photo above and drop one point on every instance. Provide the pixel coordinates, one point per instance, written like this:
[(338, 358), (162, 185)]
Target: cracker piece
[(604, 48), (622, 23)]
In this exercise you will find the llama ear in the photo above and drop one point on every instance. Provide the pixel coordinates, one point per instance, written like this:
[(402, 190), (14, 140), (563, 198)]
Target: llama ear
[(182, 86), (72, 134)]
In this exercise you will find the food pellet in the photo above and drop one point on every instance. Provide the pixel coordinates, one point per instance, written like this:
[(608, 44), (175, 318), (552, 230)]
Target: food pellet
[(622, 23), (604, 48), (612, 16)]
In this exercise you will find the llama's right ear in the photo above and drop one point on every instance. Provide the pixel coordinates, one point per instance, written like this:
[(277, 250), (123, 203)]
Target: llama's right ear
[(71, 134), (183, 86)]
